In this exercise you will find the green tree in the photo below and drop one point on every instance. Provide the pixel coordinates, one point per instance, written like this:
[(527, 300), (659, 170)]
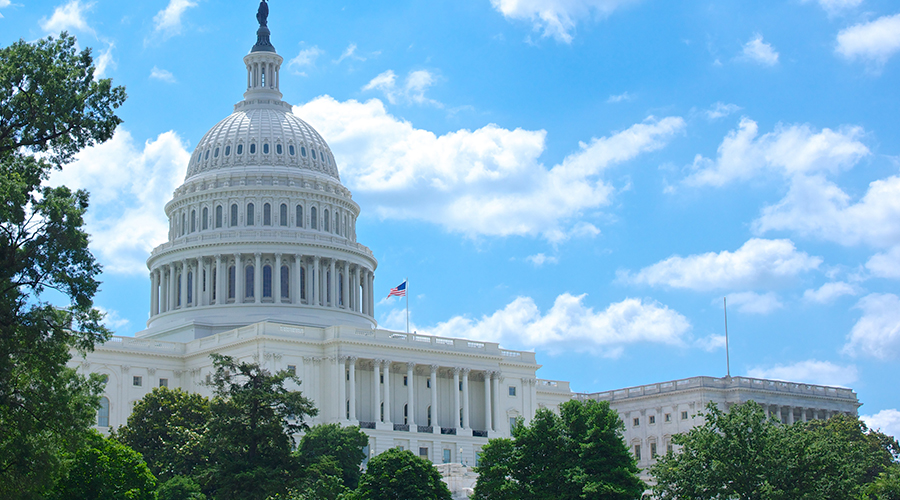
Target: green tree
[(253, 418), (400, 475), (180, 488), (50, 108), (106, 470), (886, 486), (576, 454), (343, 444), (321, 480), (167, 427)]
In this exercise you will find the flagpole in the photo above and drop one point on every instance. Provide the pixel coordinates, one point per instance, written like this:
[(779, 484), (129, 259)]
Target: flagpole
[(407, 305), (727, 353)]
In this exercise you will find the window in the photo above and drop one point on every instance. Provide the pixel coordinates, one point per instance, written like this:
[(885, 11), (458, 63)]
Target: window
[(423, 452), (231, 282), (164, 382), (337, 224), (684, 415), (215, 272), (292, 369), (282, 215), (227, 150), (278, 149), (216, 153), (382, 410), (267, 214), (267, 282), (446, 456), (240, 149), (253, 148), (266, 148), (652, 450), (103, 413), (303, 151), (193, 221), (313, 153), (178, 284), (206, 156), (285, 282), (477, 459), (512, 390), (406, 414), (347, 408), (637, 452), (205, 223), (512, 424), (636, 422), (326, 220), (667, 417), (302, 283), (291, 150), (652, 419), (405, 381), (250, 213), (312, 218), (190, 288), (104, 378), (248, 282), (299, 221), (428, 411), (137, 381), (381, 378), (218, 216), (428, 383), (183, 223), (668, 447), (234, 215)]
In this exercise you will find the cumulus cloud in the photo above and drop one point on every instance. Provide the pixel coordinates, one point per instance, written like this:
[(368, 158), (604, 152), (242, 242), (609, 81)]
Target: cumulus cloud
[(412, 91), (811, 372), (305, 59), (818, 208), (788, 150), (873, 42), (104, 62), (556, 18), (167, 22), (3, 3), (757, 50), (162, 75), (885, 421), (754, 303), (540, 259), (885, 265), (68, 17), (129, 186), (349, 53), (877, 333), (487, 181), (721, 110), (572, 326), (711, 343), (112, 319), (758, 263), (829, 292)]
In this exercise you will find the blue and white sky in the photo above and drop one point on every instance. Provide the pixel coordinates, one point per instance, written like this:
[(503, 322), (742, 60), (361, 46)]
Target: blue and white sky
[(584, 178)]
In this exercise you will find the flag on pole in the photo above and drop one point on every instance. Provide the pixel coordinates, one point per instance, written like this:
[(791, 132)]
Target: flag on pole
[(399, 290)]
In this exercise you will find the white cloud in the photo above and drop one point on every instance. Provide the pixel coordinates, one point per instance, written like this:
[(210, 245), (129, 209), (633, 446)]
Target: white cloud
[(162, 75), (885, 421), (349, 53), (129, 186), (874, 42), (829, 292), (167, 22), (810, 372), (413, 91), (818, 208), (3, 3), (758, 263), (306, 58), (885, 265), (112, 319), (483, 182), (625, 96), (754, 303), (556, 18), (877, 333), (835, 7), (711, 343), (68, 17), (721, 110), (759, 51), (789, 150), (541, 259), (104, 62), (571, 326)]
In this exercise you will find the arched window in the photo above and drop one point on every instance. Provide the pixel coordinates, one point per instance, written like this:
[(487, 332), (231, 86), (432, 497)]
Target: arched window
[(406, 414), (103, 413), (282, 215), (227, 150), (341, 289), (215, 273), (303, 151), (429, 415), (266, 148), (327, 285), (240, 149), (193, 221), (337, 223), (183, 223), (267, 214), (216, 153), (299, 216), (248, 282), (278, 149), (285, 282), (326, 220), (234, 215), (218, 216), (206, 156), (291, 149), (250, 214), (267, 282), (313, 153), (190, 287), (205, 223), (302, 283), (178, 284), (253, 148), (312, 218), (231, 281)]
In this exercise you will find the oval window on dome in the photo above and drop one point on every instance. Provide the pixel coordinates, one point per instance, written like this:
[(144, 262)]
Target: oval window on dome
[(313, 153), (240, 149), (216, 153), (253, 149), (207, 155), (266, 148), (303, 151), (227, 150), (291, 149), (278, 149)]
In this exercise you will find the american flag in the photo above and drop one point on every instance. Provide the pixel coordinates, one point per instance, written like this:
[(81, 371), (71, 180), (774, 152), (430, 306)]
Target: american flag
[(399, 290)]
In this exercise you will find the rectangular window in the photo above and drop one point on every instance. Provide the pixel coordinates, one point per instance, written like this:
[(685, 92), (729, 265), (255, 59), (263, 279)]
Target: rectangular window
[(347, 374), (428, 383), (401, 448), (668, 417), (137, 381), (446, 456), (423, 452), (684, 415), (652, 419), (164, 382), (512, 424), (636, 422), (637, 452), (460, 385), (292, 369), (652, 450), (477, 459), (405, 381), (512, 390), (382, 378)]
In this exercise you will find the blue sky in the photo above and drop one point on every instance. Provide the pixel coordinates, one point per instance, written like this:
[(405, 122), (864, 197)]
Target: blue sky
[(585, 178)]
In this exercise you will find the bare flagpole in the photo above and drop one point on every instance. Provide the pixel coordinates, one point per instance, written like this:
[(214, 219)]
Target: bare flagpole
[(407, 305), (727, 354)]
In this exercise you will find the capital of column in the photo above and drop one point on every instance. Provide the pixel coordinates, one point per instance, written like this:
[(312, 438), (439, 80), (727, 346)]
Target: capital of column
[(278, 255), (411, 365), (434, 368), (456, 370), (465, 371), (257, 254), (352, 359)]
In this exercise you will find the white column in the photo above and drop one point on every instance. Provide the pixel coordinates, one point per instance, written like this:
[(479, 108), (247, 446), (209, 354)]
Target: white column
[(238, 279), (387, 392), (183, 284), (410, 397), (298, 265), (219, 280), (371, 287), (197, 277), (206, 266), (315, 279), (465, 398), (276, 279), (495, 407), (154, 292), (455, 419), (376, 391), (790, 415), (345, 285), (488, 424), (435, 421), (257, 278), (364, 294), (355, 289), (164, 288), (341, 365), (352, 360), (332, 282)]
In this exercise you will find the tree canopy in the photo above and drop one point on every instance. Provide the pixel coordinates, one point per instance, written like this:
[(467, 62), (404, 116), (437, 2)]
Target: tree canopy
[(107, 470), (576, 454), (344, 445), (50, 107), (400, 475)]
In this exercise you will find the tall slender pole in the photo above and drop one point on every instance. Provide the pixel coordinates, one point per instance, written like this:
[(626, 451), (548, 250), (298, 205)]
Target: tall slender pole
[(727, 354), (407, 305)]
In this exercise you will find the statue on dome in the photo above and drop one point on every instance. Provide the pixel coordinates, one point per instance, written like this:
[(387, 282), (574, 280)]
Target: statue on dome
[(262, 15)]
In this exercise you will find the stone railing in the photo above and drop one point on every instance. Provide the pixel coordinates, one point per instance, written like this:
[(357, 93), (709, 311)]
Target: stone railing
[(553, 385), (300, 235)]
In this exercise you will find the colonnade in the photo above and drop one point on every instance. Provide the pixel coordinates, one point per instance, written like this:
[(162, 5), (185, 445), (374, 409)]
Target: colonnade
[(791, 414), (256, 70), (261, 278)]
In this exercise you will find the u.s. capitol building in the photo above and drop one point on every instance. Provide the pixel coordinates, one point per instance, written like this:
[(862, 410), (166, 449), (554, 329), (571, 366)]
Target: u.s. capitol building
[(262, 264)]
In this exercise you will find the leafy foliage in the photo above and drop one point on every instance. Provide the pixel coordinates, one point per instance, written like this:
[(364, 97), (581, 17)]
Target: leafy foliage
[(342, 444), (50, 108), (399, 475), (886, 486), (576, 454), (180, 488), (107, 470)]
